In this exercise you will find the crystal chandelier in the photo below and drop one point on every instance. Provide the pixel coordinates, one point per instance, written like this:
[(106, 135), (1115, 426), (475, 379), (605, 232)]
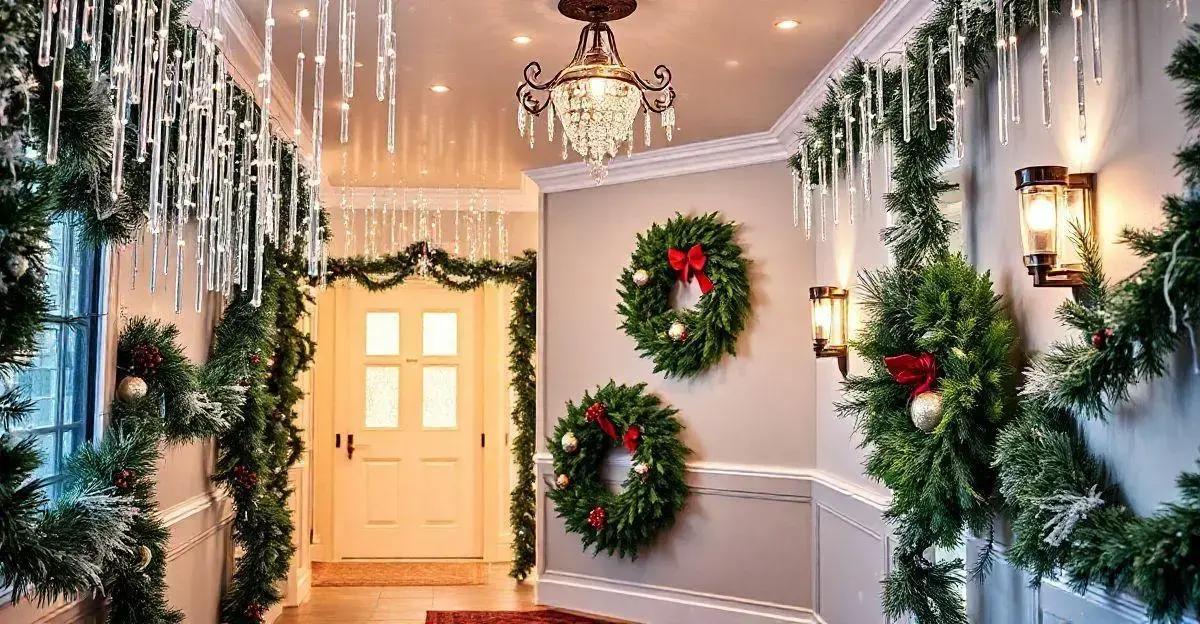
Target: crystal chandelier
[(596, 98)]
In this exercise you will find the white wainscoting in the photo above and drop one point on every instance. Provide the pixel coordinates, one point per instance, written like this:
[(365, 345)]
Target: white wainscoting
[(654, 592)]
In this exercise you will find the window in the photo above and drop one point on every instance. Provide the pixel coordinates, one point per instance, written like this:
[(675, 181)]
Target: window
[(59, 380)]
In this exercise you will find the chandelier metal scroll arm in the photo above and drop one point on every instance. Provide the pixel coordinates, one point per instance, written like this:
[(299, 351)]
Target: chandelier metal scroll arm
[(659, 104), (530, 84)]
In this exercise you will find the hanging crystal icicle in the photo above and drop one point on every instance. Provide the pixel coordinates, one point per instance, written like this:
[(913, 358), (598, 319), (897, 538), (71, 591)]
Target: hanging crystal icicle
[(931, 79), (851, 188), (46, 36), (315, 245), (1044, 50), (906, 93), (1097, 52), (888, 159), (391, 95), (958, 86), (796, 197), (95, 37), (1014, 66), (344, 124), (822, 180), (56, 86), (1003, 94), (865, 149), (1080, 81), (835, 181), (668, 123), (381, 48), (806, 189)]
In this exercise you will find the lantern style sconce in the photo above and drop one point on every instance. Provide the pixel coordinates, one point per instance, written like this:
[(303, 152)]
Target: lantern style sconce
[(1051, 201), (829, 314)]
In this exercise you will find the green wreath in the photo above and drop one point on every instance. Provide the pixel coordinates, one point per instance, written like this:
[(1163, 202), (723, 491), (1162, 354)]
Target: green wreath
[(654, 491), (684, 343)]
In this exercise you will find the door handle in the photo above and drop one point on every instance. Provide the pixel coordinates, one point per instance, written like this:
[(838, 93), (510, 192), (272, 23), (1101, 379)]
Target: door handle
[(350, 446)]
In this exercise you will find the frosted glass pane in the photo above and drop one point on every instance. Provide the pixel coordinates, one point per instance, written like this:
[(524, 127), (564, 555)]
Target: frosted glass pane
[(383, 333), (439, 409), (383, 396), (440, 333)]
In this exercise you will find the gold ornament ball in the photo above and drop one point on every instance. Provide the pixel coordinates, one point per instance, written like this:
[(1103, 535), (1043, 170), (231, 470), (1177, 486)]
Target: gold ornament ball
[(570, 443), (562, 481), (677, 332), (641, 277), (926, 411), (145, 555), (132, 388)]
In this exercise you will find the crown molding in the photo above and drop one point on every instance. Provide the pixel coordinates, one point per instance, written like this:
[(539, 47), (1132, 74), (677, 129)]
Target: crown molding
[(737, 151), (883, 32)]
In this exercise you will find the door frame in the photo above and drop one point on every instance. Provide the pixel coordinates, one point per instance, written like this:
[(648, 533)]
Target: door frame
[(496, 407)]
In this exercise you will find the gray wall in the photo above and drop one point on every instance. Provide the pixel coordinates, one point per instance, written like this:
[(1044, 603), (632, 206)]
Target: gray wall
[(1135, 126), (742, 548)]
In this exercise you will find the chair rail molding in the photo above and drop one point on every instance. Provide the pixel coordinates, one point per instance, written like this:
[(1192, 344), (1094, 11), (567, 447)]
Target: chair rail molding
[(883, 32)]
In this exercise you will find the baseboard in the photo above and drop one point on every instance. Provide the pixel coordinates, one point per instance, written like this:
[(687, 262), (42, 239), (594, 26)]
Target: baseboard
[(660, 605)]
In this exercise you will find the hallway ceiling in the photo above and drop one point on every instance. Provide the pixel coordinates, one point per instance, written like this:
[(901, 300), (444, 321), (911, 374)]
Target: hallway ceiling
[(734, 71)]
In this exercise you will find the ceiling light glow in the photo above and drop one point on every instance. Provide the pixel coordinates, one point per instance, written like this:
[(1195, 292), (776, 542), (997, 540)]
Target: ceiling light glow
[(787, 24), (439, 88), (522, 39)]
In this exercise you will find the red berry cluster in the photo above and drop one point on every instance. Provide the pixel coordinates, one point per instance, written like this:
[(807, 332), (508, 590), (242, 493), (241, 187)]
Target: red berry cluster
[(255, 611), (146, 359), (124, 479), (597, 518), (1100, 338), (596, 411), (255, 359), (244, 477)]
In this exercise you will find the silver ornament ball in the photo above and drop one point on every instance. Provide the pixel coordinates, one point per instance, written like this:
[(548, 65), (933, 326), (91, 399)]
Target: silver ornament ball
[(678, 331), (570, 443), (641, 277), (926, 411)]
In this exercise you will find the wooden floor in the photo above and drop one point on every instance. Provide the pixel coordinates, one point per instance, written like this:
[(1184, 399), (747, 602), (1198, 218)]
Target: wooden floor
[(407, 605)]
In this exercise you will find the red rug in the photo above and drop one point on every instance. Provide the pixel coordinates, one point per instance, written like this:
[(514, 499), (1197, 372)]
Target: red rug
[(507, 617)]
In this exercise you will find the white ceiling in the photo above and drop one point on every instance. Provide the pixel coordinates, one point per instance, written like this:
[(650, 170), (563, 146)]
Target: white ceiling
[(734, 72)]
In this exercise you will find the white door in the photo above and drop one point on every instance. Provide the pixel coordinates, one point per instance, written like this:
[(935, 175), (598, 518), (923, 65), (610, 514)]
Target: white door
[(409, 470)]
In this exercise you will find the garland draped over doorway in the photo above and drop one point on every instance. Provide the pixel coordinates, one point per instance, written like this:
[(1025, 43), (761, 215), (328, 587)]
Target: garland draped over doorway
[(460, 274)]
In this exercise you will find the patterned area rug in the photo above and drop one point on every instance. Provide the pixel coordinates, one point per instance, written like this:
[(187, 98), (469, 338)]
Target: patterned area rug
[(508, 617), (360, 574)]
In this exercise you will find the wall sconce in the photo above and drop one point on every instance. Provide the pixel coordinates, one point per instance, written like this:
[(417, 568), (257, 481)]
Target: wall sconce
[(829, 314), (1051, 201)]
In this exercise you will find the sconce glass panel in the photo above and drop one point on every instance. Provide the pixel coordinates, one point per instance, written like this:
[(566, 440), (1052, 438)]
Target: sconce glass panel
[(1041, 191), (828, 318)]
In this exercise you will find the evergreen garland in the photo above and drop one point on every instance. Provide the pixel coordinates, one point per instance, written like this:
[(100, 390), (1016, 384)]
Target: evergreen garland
[(1067, 514), (710, 329), (654, 491), (460, 274), (136, 582), (932, 302)]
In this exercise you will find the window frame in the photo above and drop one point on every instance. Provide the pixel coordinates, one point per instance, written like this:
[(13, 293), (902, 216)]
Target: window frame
[(89, 294)]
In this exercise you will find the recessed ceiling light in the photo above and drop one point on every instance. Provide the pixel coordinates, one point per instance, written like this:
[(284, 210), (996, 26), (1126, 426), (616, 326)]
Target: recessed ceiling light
[(732, 63), (787, 24), (522, 39), (439, 88), (358, 63), (303, 13)]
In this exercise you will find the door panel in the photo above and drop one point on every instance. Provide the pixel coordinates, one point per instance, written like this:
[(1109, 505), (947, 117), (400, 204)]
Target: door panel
[(407, 382)]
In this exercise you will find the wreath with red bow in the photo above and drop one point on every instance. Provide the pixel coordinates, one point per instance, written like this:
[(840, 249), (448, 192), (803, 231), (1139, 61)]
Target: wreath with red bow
[(616, 417), (686, 342)]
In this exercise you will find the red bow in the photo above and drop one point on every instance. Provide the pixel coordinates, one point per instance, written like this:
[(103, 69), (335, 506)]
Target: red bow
[(632, 438), (691, 263), (598, 414), (919, 371)]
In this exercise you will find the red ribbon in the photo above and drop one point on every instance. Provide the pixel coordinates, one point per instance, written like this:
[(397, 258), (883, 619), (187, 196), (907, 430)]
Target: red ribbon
[(689, 264), (632, 438), (919, 371), (599, 415)]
